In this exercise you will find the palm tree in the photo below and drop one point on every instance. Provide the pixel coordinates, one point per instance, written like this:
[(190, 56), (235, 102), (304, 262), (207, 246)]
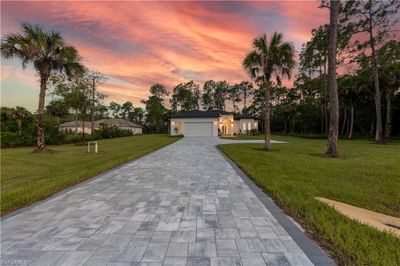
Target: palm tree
[(20, 114), (49, 53), (269, 59)]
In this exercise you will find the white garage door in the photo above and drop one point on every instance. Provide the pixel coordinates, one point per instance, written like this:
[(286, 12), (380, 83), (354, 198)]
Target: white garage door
[(197, 129)]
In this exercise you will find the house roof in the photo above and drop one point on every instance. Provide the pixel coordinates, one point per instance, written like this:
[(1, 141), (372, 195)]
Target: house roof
[(108, 122), (116, 122), (75, 123), (247, 116), (209, 114), (198, 114)]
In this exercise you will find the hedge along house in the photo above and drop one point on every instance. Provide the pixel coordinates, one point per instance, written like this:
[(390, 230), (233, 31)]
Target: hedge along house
[(210, 123), (76, 126)]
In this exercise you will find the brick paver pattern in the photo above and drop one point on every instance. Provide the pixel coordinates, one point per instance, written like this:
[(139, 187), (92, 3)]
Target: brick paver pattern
[(181, 205)]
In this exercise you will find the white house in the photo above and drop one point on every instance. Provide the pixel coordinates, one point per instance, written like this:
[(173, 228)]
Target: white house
[(76, 126), (198, 123)]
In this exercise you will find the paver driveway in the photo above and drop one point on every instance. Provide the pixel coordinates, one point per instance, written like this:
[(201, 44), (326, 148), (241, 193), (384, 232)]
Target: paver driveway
[(181, 205)]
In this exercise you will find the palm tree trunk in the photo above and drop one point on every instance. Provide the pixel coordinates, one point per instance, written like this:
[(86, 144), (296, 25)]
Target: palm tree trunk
[(40, 113), (267, 136), (332, 147), (388, 124), (351, 121)]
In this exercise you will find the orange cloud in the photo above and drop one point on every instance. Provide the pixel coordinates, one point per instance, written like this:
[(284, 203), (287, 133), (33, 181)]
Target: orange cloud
[(138, 44)]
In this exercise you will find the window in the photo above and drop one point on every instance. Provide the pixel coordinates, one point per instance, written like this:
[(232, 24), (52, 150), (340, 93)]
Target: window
[(249, 126), (244, 127)]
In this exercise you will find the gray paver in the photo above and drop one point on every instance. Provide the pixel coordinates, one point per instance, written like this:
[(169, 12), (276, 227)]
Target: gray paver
[(181, 205)]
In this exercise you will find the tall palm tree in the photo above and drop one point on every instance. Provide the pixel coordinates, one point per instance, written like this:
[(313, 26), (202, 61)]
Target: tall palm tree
[(269, 59), (49, 53)]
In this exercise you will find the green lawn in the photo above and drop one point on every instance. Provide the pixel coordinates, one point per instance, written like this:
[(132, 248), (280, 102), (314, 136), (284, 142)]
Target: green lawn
[(27, 177), (366, 175)]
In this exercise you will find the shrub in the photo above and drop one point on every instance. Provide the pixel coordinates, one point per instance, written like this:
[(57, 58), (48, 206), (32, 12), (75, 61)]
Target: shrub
[(108, 132), (254, 132), (10, 139)]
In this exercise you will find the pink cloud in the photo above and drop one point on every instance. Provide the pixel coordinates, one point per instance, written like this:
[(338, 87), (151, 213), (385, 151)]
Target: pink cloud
[(141, 43)]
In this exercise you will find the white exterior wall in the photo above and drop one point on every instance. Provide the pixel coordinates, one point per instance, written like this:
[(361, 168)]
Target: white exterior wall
[(244, 129), (174, 122), (88, 130), (135, 130)]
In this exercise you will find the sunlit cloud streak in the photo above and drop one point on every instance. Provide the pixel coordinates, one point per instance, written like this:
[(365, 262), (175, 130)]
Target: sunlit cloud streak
[(137, 44)]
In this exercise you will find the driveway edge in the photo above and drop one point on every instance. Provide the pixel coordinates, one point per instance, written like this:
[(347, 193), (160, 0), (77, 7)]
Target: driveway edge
[(310, 248)]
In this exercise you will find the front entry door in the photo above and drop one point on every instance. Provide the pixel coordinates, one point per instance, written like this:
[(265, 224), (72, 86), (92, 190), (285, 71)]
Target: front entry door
[(224, 130)]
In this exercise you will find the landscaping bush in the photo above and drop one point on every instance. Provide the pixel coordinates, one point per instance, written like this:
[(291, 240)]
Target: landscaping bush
[(254, 132), (109, 132), (10, 139)]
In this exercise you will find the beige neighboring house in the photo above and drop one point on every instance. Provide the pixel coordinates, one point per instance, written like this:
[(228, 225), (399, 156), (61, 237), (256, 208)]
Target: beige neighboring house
[(208, 123), (76, 126)]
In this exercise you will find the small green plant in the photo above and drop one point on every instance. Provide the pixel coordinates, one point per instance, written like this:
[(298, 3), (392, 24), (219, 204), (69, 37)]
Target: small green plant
[(176, 129)]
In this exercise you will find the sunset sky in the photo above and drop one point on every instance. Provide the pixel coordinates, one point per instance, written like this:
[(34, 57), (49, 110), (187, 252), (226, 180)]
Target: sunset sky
[(136, 44)]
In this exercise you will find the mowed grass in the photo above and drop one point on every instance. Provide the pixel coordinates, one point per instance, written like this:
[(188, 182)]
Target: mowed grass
[(27, 177), (366, 175)]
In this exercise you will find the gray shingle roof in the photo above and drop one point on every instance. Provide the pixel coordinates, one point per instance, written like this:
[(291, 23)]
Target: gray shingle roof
[(75, 123), (200, 114), (209, 114), (248, 116), (116, 122), (109, 122)]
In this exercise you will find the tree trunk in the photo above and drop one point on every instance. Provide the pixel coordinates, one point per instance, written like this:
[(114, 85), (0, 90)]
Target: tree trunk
[(41, 146), (351, 121), (92, 109), (267, 129), (371, 133), (344, 121), (378, 105), (332, 146), (83, 129), (322, 118), (76, 122), (19, 126), (325, 100), (388, 124), (322, 101)]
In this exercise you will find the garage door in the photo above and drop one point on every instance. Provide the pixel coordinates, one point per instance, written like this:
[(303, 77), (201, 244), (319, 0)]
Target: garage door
[(196, 129)]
